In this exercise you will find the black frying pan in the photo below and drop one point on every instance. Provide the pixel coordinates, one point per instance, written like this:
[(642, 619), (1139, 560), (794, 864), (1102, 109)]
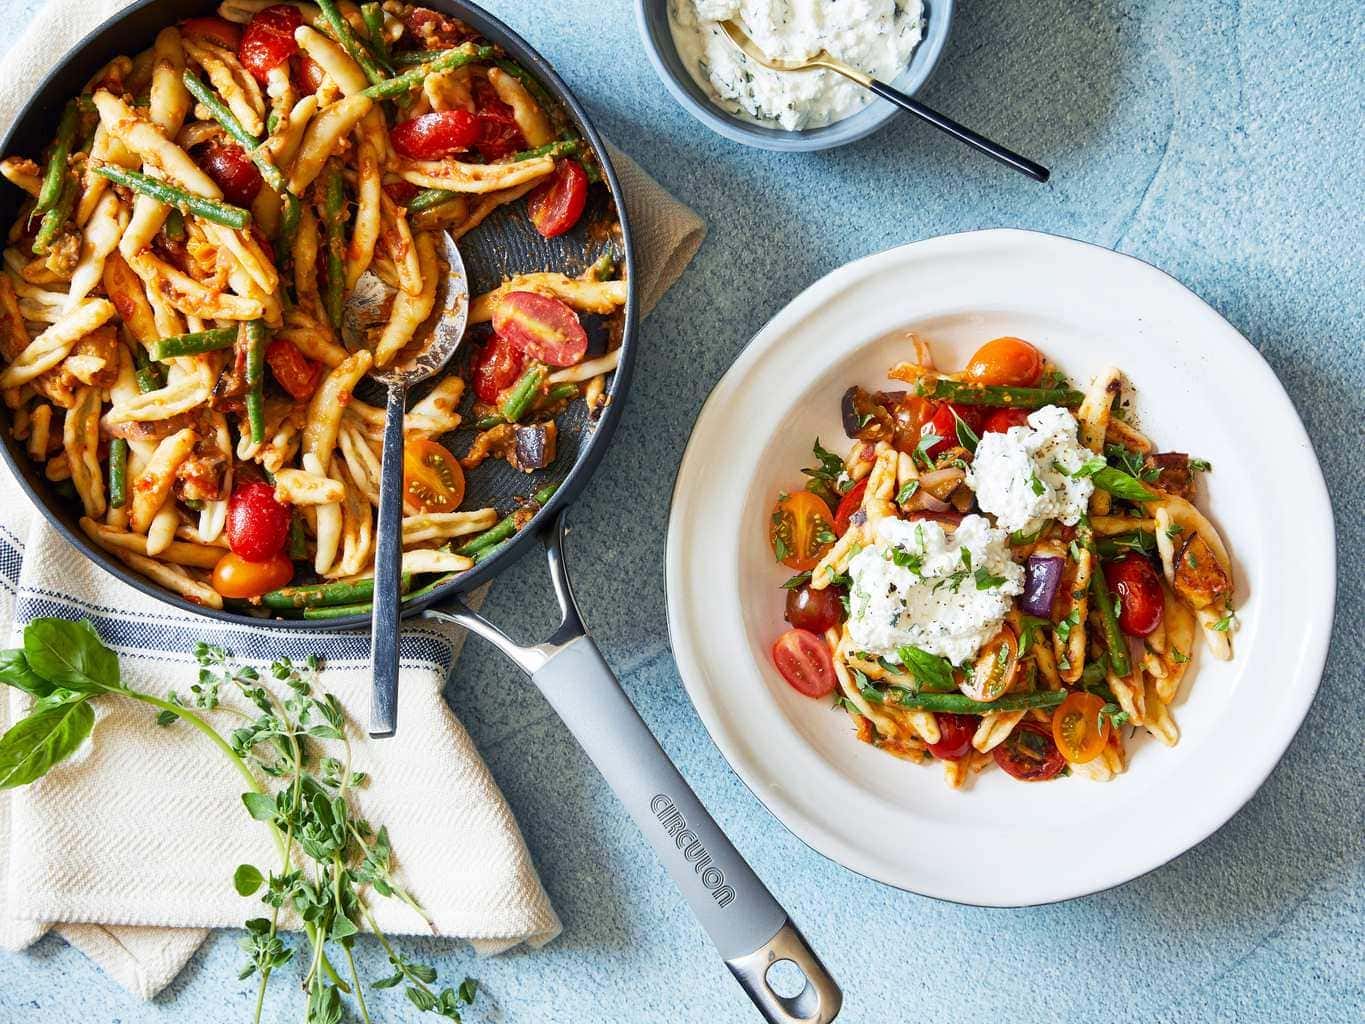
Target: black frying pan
[(749, 928)]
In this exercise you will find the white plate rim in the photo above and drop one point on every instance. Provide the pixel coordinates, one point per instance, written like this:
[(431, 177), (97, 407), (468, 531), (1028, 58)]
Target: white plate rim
[(1315, 515)]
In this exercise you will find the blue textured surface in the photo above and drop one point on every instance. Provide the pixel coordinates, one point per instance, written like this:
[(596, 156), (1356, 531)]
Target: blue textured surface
[(1220, 141)]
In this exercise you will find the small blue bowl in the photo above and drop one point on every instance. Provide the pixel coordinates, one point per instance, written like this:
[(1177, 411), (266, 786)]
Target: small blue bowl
[(652, 16)]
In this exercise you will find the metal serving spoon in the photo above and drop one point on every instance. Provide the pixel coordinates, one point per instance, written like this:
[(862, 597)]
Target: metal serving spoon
[(822, 59), (432, 346)]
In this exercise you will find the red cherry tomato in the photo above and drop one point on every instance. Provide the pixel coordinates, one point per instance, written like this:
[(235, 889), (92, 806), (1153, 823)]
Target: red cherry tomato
[(401, 192), (848, 504), (499, 135), (433, 479), (496, 367), (1141, 602), (310, 74), (541, 327), (215, 30), (1029, 754), (296, 373), (1001, 420), (436, 134), (232, 171), (805, 663), (955, 734), (556, 206), (943, 424), (257, 524), (815, 610), (234, 576), (268, 39), (1010, 361)]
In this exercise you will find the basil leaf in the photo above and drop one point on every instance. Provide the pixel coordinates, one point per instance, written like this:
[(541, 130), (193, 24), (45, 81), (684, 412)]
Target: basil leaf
[(929, 670), (1121, 485), (71, 654), (965, 435), (15, 671), (48, 736)]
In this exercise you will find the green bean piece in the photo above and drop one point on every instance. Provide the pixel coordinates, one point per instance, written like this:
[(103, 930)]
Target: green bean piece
[(604, 269), (429, 198), (270, 174), (172, 195), (373, 16), (409, 80), (344, 610), (175, 225), (54, 174), (298, 540), (118, 472), (558, 393), (960, 704), (322, 595), (149, 375), (997, 395), (55, 218), (334, 207), (564, 147), (1104, 601), (416, 58), (504, 527), (257, 336), (193, 344), (523, 393), (1130, 540), (341, 32)]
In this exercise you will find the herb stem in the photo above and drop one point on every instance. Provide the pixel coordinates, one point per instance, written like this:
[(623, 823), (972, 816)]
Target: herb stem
[(355, 982)]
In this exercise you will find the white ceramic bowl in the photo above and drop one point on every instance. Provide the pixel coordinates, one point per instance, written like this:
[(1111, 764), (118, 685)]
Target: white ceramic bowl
[(1201, 388)]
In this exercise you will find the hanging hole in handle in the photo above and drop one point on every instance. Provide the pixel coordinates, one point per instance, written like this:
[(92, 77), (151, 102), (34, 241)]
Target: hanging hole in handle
[(792, 989)]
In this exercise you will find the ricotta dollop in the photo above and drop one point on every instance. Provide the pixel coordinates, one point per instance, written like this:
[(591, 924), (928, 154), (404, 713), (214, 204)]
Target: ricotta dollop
[(1026, 474), (875, 36), (945, 593)]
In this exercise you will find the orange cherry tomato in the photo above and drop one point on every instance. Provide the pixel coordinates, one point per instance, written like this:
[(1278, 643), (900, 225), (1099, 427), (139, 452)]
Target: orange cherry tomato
[(800, 530), (995, 667), (433, 480), (1008, 361), (805, 663), (234, 576), (1078, 729)]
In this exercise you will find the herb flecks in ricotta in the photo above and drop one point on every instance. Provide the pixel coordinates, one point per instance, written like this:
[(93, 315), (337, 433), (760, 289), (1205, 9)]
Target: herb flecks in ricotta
[(945, 593), (875, 36), (1028, 474)]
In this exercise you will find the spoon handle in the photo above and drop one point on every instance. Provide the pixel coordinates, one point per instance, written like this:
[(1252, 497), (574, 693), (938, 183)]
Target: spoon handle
[(388, 565), (1022, 164)]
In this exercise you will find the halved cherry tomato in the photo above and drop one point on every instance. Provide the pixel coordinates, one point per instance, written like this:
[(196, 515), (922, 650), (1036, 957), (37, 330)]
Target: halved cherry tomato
[(815, 610), (433, 480), (257, 524), (234, 576), (499, 135), (805, 663), (1001, 420), (955, 734), (1029, 754), (268, 39), (310, 74), (799, 530), (296, 373), (231, 170), (995, 667), (435, 134), (556, 206), (497, 366), (943, 424), (848, 504), (1078, 729), (215, 30), (1010, 361), (1140, 599), (541, 327)]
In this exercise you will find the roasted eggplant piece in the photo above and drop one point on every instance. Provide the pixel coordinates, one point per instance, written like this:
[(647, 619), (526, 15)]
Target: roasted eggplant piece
[(535, 446)]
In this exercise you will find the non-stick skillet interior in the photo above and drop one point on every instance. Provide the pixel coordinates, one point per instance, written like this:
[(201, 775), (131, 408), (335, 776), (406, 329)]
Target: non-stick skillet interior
[(505, 244)]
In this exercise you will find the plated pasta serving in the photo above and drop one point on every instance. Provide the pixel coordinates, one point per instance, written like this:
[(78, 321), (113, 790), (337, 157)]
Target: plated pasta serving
[(1002, 570), (181, 350)]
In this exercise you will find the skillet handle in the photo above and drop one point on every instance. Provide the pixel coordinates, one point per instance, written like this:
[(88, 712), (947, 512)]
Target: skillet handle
[(748, 926)]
